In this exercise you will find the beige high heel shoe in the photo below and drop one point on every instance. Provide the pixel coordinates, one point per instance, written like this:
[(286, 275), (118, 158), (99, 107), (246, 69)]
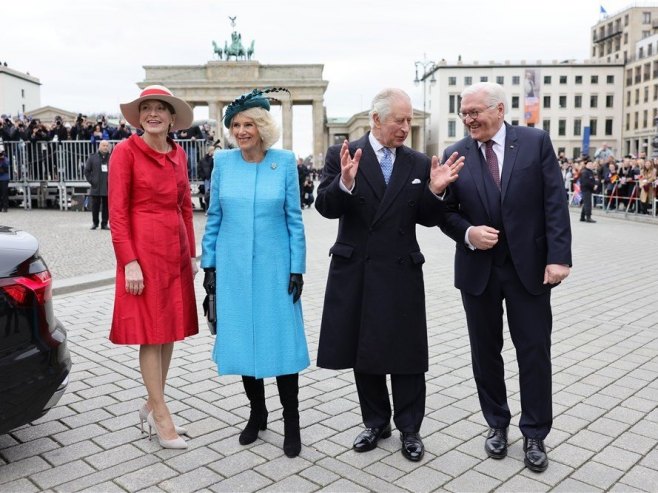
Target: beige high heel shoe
[(143, 414), (176, 443)]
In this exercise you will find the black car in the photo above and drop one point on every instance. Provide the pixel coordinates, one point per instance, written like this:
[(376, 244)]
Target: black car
[(34, 358)]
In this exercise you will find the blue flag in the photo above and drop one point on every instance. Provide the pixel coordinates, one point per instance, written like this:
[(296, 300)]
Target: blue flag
[(602, 9)]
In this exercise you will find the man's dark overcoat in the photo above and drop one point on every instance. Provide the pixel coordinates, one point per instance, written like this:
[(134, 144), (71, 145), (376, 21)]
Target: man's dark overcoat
[(374, 309)]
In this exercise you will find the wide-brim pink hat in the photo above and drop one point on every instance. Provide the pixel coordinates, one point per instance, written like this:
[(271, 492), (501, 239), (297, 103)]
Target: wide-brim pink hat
[(184, 114)]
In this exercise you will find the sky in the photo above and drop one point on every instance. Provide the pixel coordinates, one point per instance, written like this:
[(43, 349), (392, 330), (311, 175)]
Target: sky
[(90, 55)]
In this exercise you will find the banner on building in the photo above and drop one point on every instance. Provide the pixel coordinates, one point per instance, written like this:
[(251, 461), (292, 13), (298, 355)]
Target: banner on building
[(531, 89)]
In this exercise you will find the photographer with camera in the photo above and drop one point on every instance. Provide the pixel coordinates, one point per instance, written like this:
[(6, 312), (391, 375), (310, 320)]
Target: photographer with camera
[(123, 132), (59, 132)]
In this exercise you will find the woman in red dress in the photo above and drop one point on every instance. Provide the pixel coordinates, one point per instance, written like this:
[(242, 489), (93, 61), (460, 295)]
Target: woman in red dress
[(153, 237)]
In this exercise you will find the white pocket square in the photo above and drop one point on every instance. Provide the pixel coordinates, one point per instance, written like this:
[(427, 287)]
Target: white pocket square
[(415, 181)]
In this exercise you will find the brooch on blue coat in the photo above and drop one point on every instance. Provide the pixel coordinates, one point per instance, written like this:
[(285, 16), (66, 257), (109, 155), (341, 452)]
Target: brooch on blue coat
[(274, 166)]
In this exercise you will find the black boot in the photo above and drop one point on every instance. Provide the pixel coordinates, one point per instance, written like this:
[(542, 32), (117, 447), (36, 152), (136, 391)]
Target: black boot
[(255, 390), (288, 391)]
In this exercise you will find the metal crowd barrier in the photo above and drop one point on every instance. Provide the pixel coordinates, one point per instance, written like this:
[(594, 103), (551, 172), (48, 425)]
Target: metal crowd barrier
[(609, 201), (52, 172)]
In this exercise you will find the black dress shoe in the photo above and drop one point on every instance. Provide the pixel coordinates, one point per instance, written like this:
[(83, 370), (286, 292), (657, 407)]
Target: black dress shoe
[(535, 454), (105, 227), (496, 443), (368, 438), (94, 227), (582, 220), (590, 220), (412, 446)]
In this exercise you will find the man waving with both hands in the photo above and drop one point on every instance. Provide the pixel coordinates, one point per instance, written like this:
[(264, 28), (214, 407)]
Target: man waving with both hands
[(374, 309)]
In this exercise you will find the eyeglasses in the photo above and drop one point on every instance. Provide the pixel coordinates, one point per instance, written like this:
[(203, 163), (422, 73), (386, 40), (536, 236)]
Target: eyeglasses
[(474, 113)]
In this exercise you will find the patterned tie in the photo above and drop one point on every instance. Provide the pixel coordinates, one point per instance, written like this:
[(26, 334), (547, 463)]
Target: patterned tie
[(387, 164), (492, 162)]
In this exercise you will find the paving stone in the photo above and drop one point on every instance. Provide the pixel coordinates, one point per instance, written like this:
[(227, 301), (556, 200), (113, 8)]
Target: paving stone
[(472, 481), (320, 475), (571, 455), (191, 481), (146, 477), (20, 485), (106, 487), (422, 479), (236, 463), (618, 458), (642, 478), (634, 443), (610, 427), (522, 485), (39, 431), (343, 485), (651, 460), (112, 457), (193, 459), (453, 463), (245, 481), (292, 483), (571, 485), (590, 440), (61, 474), (596, 474), (91, 480), (79, 450), (29, 449)]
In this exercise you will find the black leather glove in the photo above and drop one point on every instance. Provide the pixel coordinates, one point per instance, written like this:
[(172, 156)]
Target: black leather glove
[(209, 280), (295, 286)]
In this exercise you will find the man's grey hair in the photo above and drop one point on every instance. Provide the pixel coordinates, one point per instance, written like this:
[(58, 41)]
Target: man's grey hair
[(494, 93), (381, 103)]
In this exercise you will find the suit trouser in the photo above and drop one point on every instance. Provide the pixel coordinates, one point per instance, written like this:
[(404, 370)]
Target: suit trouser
[(586, 211), (530, 321), (99, 204), (4, 194), (408, 400)]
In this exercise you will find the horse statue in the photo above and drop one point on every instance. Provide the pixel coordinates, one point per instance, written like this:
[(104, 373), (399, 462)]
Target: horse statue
[(250, 50), (216, 49), (236, 49)]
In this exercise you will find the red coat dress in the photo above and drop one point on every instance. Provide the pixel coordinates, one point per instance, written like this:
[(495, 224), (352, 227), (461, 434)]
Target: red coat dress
[(151, 220)]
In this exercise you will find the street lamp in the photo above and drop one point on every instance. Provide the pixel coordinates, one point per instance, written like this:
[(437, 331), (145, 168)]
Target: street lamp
[(428, 68)]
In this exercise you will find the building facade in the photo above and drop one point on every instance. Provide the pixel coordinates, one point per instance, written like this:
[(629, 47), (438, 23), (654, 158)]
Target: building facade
[(577, 103), (611, 98), (631, 36), (19, 92)]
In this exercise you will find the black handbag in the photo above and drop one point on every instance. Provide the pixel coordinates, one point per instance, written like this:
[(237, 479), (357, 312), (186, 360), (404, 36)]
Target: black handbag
[(210, 312)]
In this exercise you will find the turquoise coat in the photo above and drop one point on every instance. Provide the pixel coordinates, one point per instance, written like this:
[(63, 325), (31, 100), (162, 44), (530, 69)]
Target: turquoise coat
[(255, 238)]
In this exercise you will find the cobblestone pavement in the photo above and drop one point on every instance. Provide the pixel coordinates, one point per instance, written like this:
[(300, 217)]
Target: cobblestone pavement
[(605, 364)]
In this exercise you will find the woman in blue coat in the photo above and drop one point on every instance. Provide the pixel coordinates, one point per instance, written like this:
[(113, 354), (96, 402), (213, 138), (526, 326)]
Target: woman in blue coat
[(254, 255)]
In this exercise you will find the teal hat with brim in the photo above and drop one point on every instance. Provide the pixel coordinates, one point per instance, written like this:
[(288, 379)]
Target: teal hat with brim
[(253, 99)]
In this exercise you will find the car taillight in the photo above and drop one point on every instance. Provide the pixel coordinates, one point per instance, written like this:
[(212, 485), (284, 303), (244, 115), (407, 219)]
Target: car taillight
[(19, 288)]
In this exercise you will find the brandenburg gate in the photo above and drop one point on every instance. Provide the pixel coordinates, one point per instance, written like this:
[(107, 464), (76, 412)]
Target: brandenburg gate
[(219, 82)]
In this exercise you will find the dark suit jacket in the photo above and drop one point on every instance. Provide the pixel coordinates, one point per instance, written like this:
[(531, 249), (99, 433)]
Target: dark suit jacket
[(535, 215), (374, 309)]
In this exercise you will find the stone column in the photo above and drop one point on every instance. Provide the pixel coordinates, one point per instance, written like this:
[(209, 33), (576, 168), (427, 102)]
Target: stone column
[(286, 118), (212, 110), (219, 129), (319, 144)]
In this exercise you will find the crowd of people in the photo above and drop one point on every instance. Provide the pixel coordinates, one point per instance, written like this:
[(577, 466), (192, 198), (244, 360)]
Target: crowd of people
[(37, 144), (627, 184)]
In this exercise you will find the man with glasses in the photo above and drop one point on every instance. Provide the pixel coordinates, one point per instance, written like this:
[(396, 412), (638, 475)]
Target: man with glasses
[(510, 221)]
